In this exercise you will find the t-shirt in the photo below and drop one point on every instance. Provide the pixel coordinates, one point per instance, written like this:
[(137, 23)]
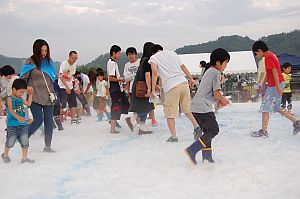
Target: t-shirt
[(168, 66), (204, 97), (6, 86), (101, 88), (287, 79), (18, 107), (68, 70), (271, 61), (130, 70), (113, 70), (86, 81), (261, 69)]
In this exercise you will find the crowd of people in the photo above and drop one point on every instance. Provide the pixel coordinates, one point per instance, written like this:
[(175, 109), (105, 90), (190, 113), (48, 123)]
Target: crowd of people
[(52, 97)]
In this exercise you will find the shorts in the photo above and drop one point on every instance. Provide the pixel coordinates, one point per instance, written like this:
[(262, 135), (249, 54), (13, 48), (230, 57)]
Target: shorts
[(17, 132), (98, 101), (70, 98), (119, 104), (179, 95), (271, 101)]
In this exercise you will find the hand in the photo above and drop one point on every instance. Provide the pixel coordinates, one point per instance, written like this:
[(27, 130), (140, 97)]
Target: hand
[(148, 93), (153, 93), (29, 90), (192, 83), (262, 89), (21, 119), (279, 91), (68, 90), (224, 102), (157, 89)]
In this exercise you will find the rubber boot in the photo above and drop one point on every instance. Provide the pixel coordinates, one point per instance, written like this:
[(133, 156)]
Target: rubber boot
[(207, 155), (99, 116), (192, 150), (108, 116)]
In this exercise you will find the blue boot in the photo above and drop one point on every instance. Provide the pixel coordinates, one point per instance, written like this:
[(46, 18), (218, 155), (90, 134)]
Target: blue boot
[(108, 116), (207, 155), (192, 150), (99, 115)]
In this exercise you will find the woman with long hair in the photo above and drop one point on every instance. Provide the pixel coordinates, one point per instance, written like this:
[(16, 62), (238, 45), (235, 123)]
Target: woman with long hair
[(40, 74), (141, 105)]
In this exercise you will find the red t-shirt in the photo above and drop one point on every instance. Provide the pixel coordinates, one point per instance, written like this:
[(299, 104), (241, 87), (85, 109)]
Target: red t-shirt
[(271, 61)]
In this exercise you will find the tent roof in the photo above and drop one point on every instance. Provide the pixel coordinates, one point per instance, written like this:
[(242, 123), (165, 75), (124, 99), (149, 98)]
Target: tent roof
[(292, 59), (240, 62)]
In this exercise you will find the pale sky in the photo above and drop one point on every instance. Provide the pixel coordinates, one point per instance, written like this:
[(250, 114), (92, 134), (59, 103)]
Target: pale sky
[(92, 26)]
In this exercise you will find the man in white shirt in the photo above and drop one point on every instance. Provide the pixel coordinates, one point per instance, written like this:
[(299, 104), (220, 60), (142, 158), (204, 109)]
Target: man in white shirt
[(66, 71), (119, 101), (175, 85)]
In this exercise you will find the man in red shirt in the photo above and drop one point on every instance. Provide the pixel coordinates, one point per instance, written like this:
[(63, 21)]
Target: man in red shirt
[(271, 89)]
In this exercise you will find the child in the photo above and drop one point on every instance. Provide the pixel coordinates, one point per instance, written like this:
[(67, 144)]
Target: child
[(16, 124), (287, 92), (272, 94), (202, 105), (101, 95)]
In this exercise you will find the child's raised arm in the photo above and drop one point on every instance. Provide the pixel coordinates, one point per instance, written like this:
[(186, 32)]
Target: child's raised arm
[(29, 101)]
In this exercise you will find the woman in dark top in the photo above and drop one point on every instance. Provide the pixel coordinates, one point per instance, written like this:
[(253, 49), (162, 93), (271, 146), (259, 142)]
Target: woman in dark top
[(40, 74), (141, 105)]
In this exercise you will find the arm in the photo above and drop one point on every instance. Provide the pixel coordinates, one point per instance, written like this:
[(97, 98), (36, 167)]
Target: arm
[(277, 84), (154, 78), (10, 109), (29, 100), (218, 96), (64, 83), (148, 82), (192, 82), (114, 79)]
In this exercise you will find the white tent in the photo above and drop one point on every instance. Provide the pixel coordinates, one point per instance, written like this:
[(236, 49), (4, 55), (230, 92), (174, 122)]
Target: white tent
[(240, 62)]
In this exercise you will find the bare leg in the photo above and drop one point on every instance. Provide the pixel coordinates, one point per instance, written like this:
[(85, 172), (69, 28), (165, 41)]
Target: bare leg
[(73, 112), (113, 125), (24, 153), (288, 115), (265, 120), (6, 150), (171, 125)]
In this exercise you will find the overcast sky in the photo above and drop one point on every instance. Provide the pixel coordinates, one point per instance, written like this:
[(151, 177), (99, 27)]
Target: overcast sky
[(92, 26)]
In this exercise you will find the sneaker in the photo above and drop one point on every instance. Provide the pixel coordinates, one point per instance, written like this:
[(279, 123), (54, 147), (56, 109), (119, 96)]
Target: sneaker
[(129, 123), (5, 159), (75, 121), (296, 127), (141, 132), (154, 122), (197, 133), (30, 161), (114, 132), (49, 150), (172, 139), (260, 133)]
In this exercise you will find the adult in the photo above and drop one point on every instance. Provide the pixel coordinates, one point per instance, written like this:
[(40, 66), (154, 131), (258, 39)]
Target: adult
[(40, 74), (202, 66), (175, 85), (66, 71), (141, 105)]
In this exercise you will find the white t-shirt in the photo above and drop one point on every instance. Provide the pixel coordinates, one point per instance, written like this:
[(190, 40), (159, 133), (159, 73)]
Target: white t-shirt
[(71, 68), (113, 69), (101, 88), (130, 70), (168, 66), (6, 85), (86, 81), (261, 69)]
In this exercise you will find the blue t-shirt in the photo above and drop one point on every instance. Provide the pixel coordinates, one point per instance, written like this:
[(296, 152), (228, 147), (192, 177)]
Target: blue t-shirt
[(18, 107)]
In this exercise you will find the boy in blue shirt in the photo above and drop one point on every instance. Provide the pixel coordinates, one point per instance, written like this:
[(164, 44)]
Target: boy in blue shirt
[(209, 92), (17, 127)]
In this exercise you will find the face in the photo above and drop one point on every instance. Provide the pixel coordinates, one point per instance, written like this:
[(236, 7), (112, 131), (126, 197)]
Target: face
[(44, 51), (100, 78), (131, 57), (288, 70), (221, 67), (8, 77), (18, 93), (73, 58), (116, 55), (259, 54)]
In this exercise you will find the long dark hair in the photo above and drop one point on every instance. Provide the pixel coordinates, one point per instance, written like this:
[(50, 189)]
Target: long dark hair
[(37, 52), (147, 49)]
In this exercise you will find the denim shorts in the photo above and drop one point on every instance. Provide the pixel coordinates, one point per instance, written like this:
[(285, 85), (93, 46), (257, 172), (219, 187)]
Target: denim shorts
[(17, 132), (271, 100)]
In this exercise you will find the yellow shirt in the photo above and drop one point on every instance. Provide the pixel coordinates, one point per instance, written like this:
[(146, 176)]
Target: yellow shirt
[(287, 79)]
